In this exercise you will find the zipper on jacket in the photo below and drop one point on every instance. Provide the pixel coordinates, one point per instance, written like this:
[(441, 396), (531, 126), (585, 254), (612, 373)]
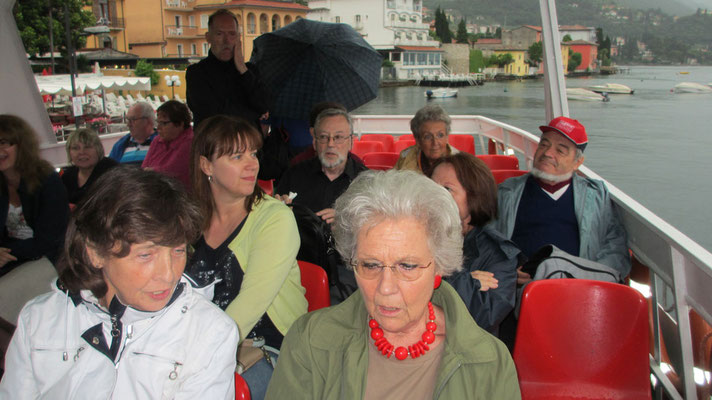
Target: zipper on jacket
[(173, 375), (442, 386)]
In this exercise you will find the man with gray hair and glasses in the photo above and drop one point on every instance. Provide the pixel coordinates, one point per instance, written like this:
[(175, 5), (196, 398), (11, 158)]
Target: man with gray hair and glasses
[(317, 182), (132, 148)]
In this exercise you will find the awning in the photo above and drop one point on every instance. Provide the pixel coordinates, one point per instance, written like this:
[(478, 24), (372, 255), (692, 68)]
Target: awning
[(61, 84)]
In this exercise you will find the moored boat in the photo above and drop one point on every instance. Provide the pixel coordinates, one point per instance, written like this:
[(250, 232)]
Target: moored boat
[(692, 87), (584, 94), (440, 93), (611, 88)]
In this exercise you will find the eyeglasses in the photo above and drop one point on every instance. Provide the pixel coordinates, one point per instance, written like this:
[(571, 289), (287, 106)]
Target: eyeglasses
[(402, 271), (4, 143), (162, 123), (338, 139), (135, 119), (430, 137)]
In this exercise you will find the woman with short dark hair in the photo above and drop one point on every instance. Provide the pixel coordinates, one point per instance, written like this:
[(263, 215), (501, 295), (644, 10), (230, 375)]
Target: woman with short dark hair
[(122, 321), (170, 151), (487, 282)]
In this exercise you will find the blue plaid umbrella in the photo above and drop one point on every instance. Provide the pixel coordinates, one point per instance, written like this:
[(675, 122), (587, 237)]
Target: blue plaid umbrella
[(308, 62)]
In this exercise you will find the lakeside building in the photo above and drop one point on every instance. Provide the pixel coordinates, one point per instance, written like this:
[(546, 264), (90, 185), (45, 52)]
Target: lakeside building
[(394, 28), (173, 31), (589, 54)]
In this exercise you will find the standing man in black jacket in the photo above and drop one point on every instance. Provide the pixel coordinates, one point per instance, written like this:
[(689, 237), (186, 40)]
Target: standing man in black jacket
[(222, 83)]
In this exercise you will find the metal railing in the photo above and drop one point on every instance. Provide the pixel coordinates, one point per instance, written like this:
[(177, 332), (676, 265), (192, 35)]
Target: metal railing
[(183, 31)]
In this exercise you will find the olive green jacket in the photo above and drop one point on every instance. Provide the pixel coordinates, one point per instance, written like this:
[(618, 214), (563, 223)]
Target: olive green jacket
[(324, 355)]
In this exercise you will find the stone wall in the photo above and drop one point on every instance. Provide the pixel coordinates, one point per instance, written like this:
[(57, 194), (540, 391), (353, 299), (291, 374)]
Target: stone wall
[(458, 57)]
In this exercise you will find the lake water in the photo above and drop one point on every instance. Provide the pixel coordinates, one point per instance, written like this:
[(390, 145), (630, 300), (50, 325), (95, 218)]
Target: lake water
[(654, 145)]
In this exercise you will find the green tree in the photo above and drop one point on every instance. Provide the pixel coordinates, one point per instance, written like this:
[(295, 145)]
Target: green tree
[(535, 51), (145, 68), (500, 60), (477, 61), (442, 27), (567, 38), (461, 32), (574, 60), (498, 33), (32, 19)]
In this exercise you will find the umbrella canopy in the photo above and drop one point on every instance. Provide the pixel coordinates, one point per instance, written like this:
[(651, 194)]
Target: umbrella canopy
[(61, 84), (308, 62)]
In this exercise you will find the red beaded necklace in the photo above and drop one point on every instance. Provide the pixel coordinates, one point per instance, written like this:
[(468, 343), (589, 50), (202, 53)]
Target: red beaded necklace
[(415, 350)]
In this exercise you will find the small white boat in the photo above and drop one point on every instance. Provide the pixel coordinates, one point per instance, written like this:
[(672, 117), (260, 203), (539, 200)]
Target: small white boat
[(611, 88), (584, 94), (440, 93), (692, 87)]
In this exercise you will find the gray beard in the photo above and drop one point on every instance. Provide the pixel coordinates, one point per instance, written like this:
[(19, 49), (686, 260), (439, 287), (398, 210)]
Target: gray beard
[(327, 164), (550, 177)]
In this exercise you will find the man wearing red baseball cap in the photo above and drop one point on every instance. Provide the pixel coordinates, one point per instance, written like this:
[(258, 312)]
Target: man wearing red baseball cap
[(554, 205)]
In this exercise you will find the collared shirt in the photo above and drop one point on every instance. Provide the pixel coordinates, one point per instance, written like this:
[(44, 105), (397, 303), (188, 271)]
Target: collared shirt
[(313, 188), (135, 152), (171, 158)]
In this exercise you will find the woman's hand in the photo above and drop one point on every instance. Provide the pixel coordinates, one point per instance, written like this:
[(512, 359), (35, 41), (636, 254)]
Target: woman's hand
[(327, 215), (523, 277), (5, 256), (487, 280)]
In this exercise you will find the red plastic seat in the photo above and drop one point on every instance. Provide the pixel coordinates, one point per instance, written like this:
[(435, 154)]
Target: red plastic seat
[(362, 147), (380, 159), (267, 186), (464, 143), (242, 392), (499, 161), (316, 283), (402, 145), (501, 175), (386, 140), (406, 137), (582, 339)]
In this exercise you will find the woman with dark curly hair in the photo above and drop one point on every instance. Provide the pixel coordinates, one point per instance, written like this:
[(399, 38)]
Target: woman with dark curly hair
[(122, 322)]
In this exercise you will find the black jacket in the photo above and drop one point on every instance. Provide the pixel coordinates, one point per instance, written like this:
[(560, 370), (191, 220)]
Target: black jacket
[(216, 87), (46, 212)]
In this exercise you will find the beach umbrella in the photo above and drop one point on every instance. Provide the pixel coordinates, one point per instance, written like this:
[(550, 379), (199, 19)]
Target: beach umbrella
[(307, 62)]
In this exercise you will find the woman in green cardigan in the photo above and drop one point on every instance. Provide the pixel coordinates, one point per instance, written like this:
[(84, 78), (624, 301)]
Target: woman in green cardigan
[(249, 243), (404, 334)]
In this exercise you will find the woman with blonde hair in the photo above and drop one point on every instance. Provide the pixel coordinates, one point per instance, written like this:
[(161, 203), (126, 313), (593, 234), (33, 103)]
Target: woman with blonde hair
[(86, 154), (33, 202)]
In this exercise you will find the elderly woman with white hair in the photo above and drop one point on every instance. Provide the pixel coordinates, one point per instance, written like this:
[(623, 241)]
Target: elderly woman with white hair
[(405, 333)]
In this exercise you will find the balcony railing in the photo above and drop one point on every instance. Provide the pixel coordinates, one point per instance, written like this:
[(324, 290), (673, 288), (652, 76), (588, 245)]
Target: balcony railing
[(406, 24), (112, 22), (415, 42), (182, 5), (183, 31)]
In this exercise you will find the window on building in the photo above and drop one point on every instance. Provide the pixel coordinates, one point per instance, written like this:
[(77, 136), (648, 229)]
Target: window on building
[(337, 19), (287, 19), (437, 59), (357, 18), (391, 4), (276, 23), (431, 58), (204, 21), (251, 23), (408, 35), (393, 17), (180, 50), (206, 49), (264, 25), (193, 49), (177, 18), (395, 57), (422, 58), (191, 20)]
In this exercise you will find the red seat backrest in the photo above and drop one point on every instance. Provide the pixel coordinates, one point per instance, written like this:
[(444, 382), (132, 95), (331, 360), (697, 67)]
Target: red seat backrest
[(406, 137), (501, 175), (316, 283), (401, 145), (267, 186), (464, 143), (580, 338), (386, 140), (242, 392), (499, 161), (385, 159), (362, 147)]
